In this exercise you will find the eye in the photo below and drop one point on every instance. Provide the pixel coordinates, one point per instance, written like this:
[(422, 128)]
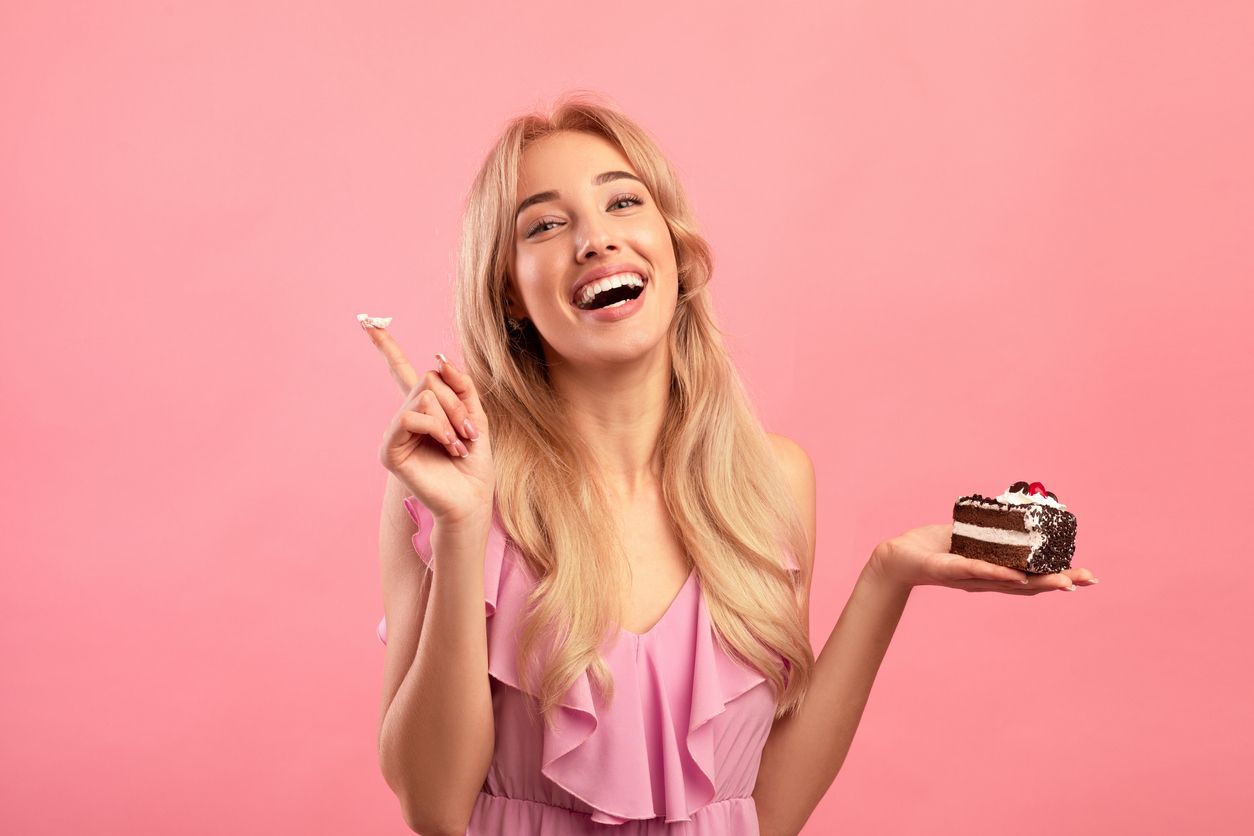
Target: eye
[(536, 227), (628, 198)]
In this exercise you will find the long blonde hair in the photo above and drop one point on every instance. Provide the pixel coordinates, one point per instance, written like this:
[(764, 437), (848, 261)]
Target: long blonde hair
[(727, 495)]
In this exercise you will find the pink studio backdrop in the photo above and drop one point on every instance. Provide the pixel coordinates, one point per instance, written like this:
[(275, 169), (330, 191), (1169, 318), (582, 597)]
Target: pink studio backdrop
[(958, 245)]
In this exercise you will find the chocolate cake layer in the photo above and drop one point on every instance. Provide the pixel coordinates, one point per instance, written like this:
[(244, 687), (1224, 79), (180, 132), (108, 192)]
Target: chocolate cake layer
[(1016, 557), (1003, 517)]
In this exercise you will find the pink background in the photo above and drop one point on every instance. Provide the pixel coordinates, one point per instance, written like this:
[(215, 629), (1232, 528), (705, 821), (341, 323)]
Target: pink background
[(958, 245)]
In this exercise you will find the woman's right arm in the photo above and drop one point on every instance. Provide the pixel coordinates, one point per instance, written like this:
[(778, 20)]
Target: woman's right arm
[(436, 728)]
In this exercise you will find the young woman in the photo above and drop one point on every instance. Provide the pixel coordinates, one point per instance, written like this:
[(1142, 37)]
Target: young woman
[(609, 623)]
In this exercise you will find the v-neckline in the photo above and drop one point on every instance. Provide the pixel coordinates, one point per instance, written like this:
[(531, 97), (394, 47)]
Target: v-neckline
[(682, 589)]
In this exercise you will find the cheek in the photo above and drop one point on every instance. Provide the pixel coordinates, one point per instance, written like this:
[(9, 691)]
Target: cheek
[(660, 241), (534, 281), (527, 275)]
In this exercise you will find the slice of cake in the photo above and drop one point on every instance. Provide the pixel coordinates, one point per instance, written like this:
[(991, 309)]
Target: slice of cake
[(1026, 528)]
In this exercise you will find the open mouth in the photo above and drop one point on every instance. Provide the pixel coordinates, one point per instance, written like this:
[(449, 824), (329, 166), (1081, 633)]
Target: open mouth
[(612, 296)]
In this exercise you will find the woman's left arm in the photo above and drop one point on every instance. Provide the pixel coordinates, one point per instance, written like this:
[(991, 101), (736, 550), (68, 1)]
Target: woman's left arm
[(805, 750)]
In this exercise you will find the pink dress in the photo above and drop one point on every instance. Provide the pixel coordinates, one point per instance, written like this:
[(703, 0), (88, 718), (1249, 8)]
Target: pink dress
[(676, 751)]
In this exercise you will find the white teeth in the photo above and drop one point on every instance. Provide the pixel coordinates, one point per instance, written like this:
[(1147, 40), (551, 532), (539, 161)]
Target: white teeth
[(591, 289)]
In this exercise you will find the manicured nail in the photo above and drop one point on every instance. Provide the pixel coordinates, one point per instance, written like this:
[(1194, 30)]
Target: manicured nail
[(1070, 588), (1023, 581), (1092, 580), (450, 438), (461, 449), (442, 360), (470, 429)]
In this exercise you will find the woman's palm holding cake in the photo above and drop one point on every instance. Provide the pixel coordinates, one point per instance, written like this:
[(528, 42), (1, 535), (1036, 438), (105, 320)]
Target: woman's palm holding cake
[(1007, 544)]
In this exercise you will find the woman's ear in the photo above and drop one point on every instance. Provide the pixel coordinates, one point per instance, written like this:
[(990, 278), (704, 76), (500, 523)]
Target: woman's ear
[(513, 308)]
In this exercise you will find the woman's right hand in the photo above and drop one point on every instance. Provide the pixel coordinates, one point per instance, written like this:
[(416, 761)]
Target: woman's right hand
[(424, 442)]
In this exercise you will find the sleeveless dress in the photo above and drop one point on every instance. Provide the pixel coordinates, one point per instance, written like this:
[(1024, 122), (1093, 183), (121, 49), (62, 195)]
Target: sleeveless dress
[(675, 752)]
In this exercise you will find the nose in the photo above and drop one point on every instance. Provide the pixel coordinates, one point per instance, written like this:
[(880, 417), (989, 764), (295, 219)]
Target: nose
[(596, 238)]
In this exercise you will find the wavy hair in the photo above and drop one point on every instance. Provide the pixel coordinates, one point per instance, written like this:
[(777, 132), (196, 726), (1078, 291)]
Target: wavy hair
[(721, 482)]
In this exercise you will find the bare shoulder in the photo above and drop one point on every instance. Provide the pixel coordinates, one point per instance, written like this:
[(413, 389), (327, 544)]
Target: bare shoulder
[(799, 469), (793, 457)]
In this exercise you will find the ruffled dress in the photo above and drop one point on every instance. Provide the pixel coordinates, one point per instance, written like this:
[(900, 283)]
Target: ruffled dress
[(675, 752)]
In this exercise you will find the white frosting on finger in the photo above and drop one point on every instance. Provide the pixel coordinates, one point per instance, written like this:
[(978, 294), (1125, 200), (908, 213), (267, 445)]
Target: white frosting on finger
[(368, 321)]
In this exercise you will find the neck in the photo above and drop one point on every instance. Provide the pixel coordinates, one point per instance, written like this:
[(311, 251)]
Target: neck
[(618, 410)]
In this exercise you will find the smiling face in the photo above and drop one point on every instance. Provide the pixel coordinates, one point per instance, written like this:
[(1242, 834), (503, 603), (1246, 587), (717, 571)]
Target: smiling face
[(582, 214)]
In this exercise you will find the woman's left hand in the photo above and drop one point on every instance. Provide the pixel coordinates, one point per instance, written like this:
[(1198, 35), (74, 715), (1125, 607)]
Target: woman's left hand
[(921, 557)]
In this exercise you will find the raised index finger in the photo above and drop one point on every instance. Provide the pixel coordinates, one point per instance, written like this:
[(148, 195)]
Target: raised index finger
[(402, 371)]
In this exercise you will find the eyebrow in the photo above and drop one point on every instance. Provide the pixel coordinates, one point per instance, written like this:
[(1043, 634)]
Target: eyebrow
[(600, 180)]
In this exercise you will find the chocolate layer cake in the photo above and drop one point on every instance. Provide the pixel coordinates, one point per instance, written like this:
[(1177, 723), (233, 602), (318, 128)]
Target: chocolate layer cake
[(1026, 528)]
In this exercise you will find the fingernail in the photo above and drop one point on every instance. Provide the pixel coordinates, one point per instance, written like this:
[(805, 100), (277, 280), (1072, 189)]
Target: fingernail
[(1092, 580), (1024, 580), (449, 437), (1070, 588), (470, 429), (442, 360), (461, 449)]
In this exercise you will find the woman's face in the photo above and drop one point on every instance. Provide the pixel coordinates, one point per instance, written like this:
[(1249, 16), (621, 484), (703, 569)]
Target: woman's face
[(586, 223)]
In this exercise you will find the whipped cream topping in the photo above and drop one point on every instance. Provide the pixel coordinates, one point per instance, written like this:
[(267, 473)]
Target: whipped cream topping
[(1017, 498)]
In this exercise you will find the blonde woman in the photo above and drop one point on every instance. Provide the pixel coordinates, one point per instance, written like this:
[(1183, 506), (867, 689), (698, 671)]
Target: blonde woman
[(607, 626)]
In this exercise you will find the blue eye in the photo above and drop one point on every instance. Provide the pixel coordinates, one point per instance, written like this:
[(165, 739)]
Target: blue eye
[(628, 198)]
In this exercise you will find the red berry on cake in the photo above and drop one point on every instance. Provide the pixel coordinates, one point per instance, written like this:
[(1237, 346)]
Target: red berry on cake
[(1036, 488)]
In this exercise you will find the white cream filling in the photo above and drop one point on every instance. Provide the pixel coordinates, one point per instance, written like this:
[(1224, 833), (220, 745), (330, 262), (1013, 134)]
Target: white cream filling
[(1001, 536)]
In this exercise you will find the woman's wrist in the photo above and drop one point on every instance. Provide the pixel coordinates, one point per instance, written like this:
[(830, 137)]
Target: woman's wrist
[(465, 525), (880, 569)]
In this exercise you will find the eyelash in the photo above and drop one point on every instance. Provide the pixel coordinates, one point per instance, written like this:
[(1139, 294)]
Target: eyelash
[(535, 227)]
